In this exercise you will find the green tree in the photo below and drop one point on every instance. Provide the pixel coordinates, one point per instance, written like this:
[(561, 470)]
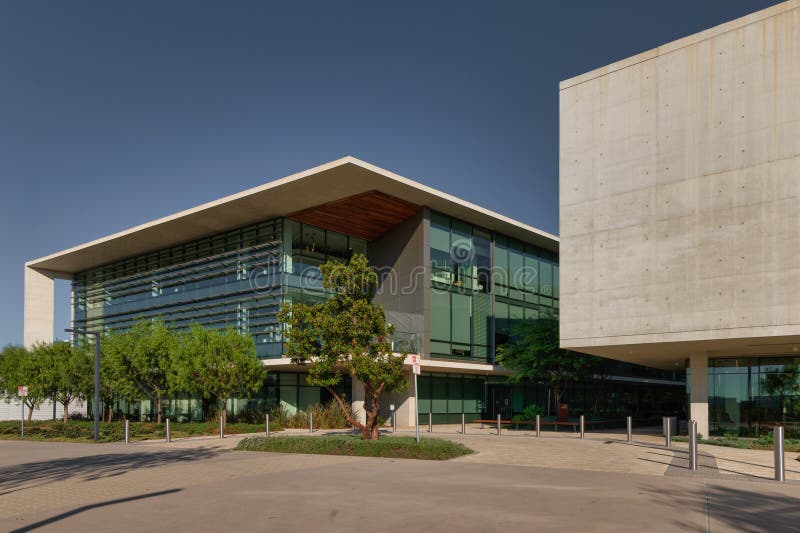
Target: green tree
[(69, 372), (533, 352), (346, 333), (139, 361), (780, 385), (219, 365), (19, 366), (114, 381)]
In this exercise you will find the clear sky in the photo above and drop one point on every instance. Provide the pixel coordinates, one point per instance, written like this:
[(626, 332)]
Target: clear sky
[(115, 113)]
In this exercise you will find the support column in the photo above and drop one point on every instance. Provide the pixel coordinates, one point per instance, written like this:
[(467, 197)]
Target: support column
[(405, 403), (698, 392), (38, 315), (357, 400)]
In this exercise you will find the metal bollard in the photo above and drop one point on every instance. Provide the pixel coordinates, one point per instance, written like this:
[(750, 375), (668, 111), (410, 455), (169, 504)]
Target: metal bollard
[(394, 422), (693, 445), (311, 422), (430, 422), (667, 431), (630, 429), (780, 467), (127, 431), (169, 439), (463, 425), (221, 427), (498, 424), (582, 427), (538, 426), (266, 426)]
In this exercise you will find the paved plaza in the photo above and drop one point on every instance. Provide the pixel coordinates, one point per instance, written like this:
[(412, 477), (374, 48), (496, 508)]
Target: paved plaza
[(554, 483)]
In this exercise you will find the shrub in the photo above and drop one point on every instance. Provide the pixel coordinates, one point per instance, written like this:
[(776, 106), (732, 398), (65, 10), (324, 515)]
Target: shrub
[(529, 413), (399, 447), (327, 416)]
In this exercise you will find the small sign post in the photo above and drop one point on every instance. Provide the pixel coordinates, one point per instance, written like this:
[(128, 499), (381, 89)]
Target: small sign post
[(22, 392), (416, 369)]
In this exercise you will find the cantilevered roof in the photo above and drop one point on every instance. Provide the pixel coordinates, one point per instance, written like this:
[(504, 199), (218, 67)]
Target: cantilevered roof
[(297, 194)]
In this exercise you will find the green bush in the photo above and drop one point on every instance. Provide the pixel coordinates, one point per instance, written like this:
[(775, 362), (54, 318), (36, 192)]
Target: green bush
[(328, 416), (83, 431), (397, 447), (529, 413)]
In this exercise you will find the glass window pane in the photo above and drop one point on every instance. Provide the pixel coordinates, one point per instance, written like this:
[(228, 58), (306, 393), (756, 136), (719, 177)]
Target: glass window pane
[(438, 394), (461, 318), (337, 246), (440, 315)]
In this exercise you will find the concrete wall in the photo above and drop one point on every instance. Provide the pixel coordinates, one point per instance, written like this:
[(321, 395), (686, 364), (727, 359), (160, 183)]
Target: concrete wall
[(38, 321), (400, 255), (680, 190)]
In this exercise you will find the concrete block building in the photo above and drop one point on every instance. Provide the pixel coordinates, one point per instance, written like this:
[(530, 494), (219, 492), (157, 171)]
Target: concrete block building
[(680, 216), (453, 278)]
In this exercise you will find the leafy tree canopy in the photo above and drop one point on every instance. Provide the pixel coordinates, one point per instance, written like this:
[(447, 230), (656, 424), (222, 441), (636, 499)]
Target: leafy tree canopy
[(19, 366), (218, 364), (347, 333), (534, 353), (138, 362)]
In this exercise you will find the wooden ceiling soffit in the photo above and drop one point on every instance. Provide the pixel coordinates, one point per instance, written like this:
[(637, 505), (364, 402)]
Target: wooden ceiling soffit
[(367, 215)]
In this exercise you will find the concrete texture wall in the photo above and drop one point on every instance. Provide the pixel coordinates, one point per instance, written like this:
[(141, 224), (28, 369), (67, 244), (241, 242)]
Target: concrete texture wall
[(38, 319), (399, 256), (680, 190)]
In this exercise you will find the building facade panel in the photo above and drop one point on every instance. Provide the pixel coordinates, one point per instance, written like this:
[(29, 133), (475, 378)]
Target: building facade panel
[(680, 214), (667, 155)]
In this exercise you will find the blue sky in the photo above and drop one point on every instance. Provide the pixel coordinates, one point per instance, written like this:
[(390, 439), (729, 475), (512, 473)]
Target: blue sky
[(115, 113)]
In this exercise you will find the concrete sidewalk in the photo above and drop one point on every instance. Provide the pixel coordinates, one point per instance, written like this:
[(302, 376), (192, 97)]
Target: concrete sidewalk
[(599, 452), (152, 487)]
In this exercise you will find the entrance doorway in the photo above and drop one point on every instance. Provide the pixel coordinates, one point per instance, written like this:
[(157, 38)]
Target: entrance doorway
[(500, 401)]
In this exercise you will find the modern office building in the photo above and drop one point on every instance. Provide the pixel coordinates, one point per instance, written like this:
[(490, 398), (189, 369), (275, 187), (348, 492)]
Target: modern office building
[(680, 216), (453, 277)]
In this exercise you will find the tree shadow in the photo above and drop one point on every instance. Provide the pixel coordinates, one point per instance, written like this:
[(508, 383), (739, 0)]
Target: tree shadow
[(72, 512), (91, 467), (750, 511)]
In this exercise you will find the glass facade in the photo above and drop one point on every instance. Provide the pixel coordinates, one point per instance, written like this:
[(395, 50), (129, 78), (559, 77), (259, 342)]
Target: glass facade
[(750, 396), (481, 282), (239, 278), (446, 396)]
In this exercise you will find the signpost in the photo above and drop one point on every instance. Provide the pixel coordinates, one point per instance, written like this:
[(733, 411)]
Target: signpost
[(22, 392), (416, 368)]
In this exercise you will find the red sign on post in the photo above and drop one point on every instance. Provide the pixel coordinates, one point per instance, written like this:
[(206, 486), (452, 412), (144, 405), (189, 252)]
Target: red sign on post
[(415, 364), (22, 390)]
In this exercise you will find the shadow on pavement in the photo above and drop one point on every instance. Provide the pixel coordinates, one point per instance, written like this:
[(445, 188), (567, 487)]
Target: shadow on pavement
[(750, 511), (92, 467), (72, 512)]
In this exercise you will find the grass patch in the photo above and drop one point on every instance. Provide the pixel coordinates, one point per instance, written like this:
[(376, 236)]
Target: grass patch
[(397, 447), (745, 443), (83, 430)]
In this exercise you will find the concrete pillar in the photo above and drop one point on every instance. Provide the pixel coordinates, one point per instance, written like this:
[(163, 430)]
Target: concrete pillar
[(698, 393), (39, 302), (357, 400), (403, 403)]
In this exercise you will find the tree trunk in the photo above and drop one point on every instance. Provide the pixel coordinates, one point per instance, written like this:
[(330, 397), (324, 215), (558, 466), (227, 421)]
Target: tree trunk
[(371, 429), (344, 409), (30, 412), (66, 411), (158, 403), (110, 412)]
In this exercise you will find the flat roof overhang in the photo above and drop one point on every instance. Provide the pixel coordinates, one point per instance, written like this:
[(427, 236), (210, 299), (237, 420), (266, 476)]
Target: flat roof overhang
[(426, 364), (343, 178), (673, 354)]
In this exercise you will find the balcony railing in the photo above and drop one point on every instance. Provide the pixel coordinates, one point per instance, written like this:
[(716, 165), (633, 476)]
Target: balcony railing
[(406, 341)]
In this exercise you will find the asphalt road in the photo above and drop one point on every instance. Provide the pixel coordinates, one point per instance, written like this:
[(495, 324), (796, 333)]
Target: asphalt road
[(75, 487)]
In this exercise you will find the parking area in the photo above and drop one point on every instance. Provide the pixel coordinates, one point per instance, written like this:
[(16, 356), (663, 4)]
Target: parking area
[(553, 483)]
